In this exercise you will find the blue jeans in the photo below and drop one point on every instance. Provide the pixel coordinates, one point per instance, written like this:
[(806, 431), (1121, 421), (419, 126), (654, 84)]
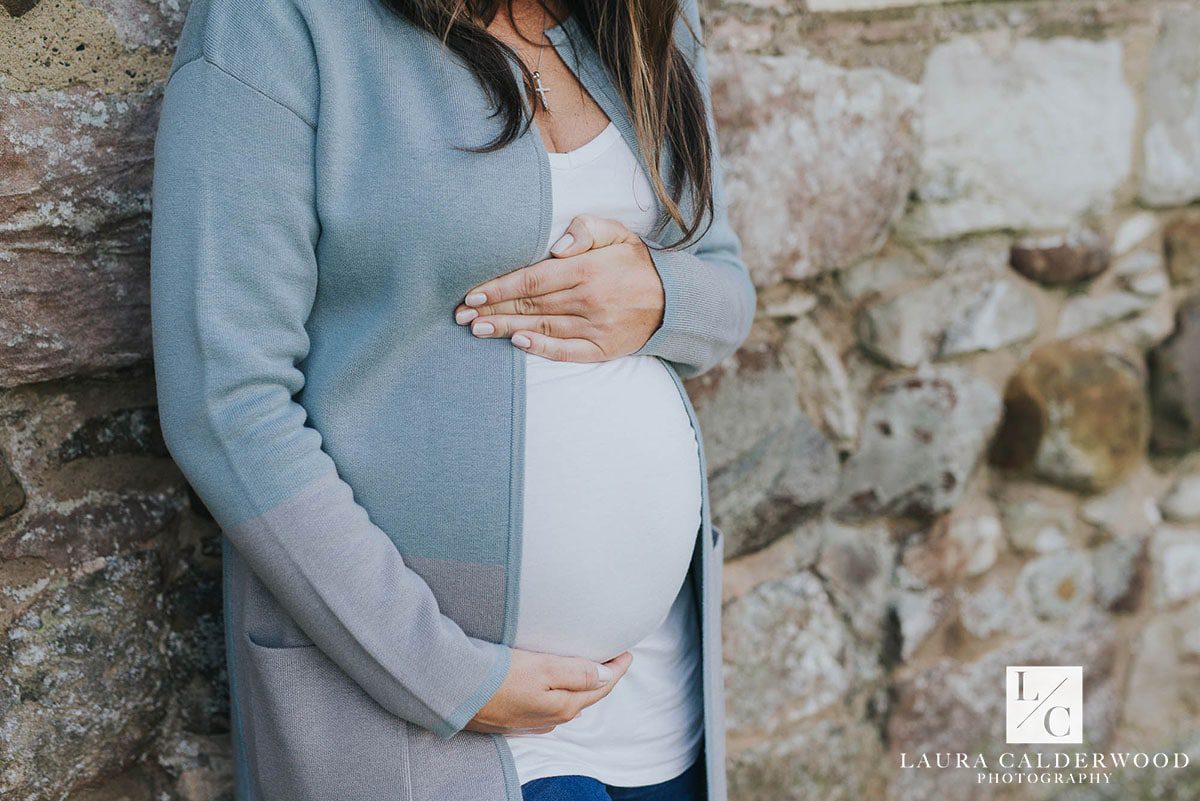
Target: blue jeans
[(687, 786)]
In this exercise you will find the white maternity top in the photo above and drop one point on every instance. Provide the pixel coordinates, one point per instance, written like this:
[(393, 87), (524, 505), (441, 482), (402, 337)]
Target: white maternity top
[(611, 515)]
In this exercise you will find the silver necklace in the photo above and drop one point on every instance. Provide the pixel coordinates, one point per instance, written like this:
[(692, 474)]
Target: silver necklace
[(540, 88)]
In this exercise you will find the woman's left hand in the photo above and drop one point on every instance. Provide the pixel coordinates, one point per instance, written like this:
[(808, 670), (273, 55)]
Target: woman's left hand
[(598, 297)]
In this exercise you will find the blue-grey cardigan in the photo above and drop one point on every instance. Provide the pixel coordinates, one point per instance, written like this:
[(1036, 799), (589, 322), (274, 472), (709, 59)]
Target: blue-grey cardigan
[(314, 225)]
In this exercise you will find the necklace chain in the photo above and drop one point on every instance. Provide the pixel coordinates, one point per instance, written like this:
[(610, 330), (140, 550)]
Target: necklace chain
[(540, 88)]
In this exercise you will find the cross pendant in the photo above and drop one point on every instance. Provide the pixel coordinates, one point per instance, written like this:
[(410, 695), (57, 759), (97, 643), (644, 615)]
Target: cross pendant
[(541, 89)]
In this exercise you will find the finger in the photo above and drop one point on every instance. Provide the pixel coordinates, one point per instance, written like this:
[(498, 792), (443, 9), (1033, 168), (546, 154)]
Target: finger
[(577, 674), (559, 350), (544, 729), (551, 325), (579, 700), (560, 302), (620, 664), (539, 278), (488, 728), (586, 232)]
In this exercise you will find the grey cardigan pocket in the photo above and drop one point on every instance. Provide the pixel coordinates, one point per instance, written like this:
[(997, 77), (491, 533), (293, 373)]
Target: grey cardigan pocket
[(315, 735)]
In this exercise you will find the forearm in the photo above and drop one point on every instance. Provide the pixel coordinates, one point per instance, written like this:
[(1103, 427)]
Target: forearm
[(709, 296), (233, 279), (708, 310)]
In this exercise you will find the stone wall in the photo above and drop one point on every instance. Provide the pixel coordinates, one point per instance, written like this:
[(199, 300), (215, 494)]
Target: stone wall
[(964, 434)]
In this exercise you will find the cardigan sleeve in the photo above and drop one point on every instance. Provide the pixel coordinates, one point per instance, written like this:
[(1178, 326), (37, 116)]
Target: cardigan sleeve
[(233, 279), (709, 297)]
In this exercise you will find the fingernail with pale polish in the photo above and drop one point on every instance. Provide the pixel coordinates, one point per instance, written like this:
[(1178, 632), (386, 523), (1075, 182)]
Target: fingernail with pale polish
[(521, 341), (483, 330), (475, 299), (604, 673), (564, 242), (465, 316)]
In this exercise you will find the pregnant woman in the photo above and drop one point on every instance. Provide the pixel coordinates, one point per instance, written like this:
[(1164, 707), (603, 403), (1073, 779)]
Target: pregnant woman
[(426, 276)]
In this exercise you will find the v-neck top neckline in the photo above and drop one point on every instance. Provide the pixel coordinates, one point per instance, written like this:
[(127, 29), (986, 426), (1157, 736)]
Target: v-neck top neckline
[(588, 151)]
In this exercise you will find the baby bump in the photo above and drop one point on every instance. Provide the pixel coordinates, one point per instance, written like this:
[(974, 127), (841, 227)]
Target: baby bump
[(611, 504)]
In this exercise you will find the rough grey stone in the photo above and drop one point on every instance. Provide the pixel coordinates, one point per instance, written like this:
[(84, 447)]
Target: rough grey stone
[(952, 548), (1175, 383), (201, 768), (788, 654), (923, 435), (1035, 526), (138, 783), (1134, 230), (830, 760), (952, 706), (918, 613), (84, 678), (1164, 680), (826, 393), (1119, 571), (1021, 133), (954, 315), (1127, 509), (1057, 585), (889, 269), (1145, 330), (994, 610), (16, 8), (87, 454), (195, 641), (769, 467), (1171, 147), (12, 494), (1182, 503), (1175, 553), (123, 431), (1088, 312), (1144, 272), (979, 539), (1001, 314), (856, 566)]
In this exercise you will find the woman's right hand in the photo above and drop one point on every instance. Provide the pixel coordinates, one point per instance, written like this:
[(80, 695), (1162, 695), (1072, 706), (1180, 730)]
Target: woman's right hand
[(543, 690)]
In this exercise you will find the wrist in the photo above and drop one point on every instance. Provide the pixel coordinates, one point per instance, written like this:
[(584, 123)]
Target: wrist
[(658, 292)]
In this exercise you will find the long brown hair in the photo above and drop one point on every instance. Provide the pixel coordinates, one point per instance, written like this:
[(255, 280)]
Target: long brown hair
[(635, 43)]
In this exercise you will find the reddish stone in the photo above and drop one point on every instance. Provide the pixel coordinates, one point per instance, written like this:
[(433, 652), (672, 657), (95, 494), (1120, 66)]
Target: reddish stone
[(1061, 259), (143, 23), (818, 160), (75, 173), (82, 531), (1182, 241), (1075, 415)]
